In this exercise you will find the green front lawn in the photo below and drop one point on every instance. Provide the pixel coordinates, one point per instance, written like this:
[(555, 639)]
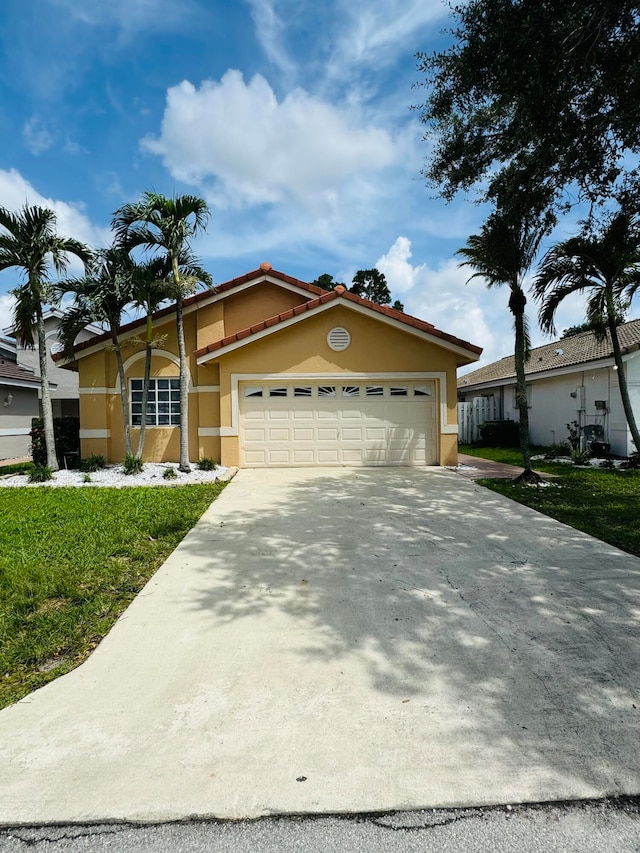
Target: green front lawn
[(602, 502), (70, 563), (508, 455)]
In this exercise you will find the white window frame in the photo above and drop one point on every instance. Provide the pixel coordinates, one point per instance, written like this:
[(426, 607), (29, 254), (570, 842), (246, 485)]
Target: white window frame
[(174, 397)]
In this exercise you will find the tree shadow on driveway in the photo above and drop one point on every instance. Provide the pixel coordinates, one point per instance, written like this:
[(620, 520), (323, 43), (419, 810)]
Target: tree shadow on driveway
[(514, 637)]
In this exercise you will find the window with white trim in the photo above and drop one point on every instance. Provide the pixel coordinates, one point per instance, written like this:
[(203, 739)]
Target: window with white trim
[(163, 403)]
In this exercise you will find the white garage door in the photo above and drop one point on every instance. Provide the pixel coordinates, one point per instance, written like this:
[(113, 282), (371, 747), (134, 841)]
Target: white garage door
[(335, 423)]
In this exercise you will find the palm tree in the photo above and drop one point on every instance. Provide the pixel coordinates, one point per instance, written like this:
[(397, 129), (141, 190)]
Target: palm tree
[(167, 224), (101, 297), (503, 253), (606, 266), (28, 241)]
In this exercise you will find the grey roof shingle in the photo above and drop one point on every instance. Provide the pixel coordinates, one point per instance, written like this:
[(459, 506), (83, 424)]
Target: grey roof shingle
[(575, 350), (9, 370)]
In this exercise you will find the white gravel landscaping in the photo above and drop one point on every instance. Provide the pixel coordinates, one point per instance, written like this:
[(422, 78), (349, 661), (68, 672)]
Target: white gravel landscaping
[(114, 476)]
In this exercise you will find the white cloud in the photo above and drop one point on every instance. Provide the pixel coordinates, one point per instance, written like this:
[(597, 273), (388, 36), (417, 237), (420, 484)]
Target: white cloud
[(36, 137), (130, 16), (247, 148), (72, 221), (270, 30), (375, 32), (6, 311)]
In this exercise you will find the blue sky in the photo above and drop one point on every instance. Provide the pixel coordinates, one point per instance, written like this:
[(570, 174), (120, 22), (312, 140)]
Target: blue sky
[(291, 118)]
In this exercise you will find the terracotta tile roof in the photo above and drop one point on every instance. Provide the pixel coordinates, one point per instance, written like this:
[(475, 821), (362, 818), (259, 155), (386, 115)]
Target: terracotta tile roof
[(10, 370), (320, 296), (575, 350), (331, 296), (199, 297)]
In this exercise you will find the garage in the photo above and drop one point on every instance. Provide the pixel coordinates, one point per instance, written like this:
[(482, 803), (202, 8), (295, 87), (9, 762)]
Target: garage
[(345, 421)]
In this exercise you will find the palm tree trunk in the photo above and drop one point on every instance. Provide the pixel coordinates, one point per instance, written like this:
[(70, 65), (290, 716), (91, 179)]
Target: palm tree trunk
[(47, 410), (184, 389), (521, 393), (622, 378), (145, 385), (124, 397)]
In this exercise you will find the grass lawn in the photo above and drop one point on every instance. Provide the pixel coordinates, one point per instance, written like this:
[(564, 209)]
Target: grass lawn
[(602, 502), (71, 561), (509, 455)]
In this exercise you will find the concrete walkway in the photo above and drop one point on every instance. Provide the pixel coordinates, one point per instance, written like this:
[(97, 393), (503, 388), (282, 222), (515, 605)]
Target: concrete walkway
[(343, 641), (476, 468)]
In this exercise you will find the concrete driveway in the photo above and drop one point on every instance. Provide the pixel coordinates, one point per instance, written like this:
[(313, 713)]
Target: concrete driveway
[(341, 641)]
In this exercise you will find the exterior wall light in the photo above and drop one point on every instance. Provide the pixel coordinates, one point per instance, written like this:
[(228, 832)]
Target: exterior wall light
[(8, 400)]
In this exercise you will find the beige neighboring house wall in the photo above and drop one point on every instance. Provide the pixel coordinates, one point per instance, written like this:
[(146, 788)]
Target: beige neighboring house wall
[(572, 379), (283, 373)]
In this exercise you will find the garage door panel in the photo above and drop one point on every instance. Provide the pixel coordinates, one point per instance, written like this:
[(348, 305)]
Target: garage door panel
[(324, 430), (303, 433), (352, 434), (279, 434)]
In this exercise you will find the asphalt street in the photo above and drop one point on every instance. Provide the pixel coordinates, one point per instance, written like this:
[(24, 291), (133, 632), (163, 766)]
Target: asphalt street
[(611, 826)]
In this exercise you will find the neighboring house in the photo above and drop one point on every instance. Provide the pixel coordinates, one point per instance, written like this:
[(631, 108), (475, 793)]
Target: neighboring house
[(282, 373), (63, 383), (18, 404), (573, 379)]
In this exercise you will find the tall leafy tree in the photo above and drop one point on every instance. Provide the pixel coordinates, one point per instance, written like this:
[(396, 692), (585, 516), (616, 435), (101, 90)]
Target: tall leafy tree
[(29, 242), (372, 285), (166, 225), (502, 254), (101, 296), (605, 266), (548, 89)]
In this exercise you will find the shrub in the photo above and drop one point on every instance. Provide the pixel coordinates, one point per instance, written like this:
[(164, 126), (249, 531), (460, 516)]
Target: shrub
[(170, 473), (132, 464), (86, 478), (499, 434), (66, 435), (93, 463), (580, 457), (206, 464), (40, 474)]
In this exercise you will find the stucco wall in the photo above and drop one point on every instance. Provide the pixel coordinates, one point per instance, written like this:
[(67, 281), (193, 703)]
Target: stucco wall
[(15, 420), (376, 347)]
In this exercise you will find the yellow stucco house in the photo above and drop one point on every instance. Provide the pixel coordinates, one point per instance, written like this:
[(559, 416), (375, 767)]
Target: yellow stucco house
[(282, 373)]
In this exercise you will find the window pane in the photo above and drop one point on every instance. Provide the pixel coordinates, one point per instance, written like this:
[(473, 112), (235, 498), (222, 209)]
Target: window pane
[(163, 420), (151, 420), (303, 391), (174, 383), (163, 383), (136, 420), (350, 390), (375, 391), (253, 391), (277, 392), (136, 408), (175, 408), (398, 391), (327, 391), (136, 384), (422, 391)]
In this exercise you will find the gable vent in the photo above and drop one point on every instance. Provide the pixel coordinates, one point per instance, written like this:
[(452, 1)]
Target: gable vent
[(338, 339)]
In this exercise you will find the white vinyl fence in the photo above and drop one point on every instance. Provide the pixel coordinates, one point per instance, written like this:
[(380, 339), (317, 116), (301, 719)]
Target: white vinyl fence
[(471, 414)]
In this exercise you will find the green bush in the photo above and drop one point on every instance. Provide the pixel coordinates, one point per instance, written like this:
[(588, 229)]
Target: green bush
[(132, 464), (170, 473), (499, 434), (93, 463), (580, 457), (206, 464), (40, 474), (86, 478)]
